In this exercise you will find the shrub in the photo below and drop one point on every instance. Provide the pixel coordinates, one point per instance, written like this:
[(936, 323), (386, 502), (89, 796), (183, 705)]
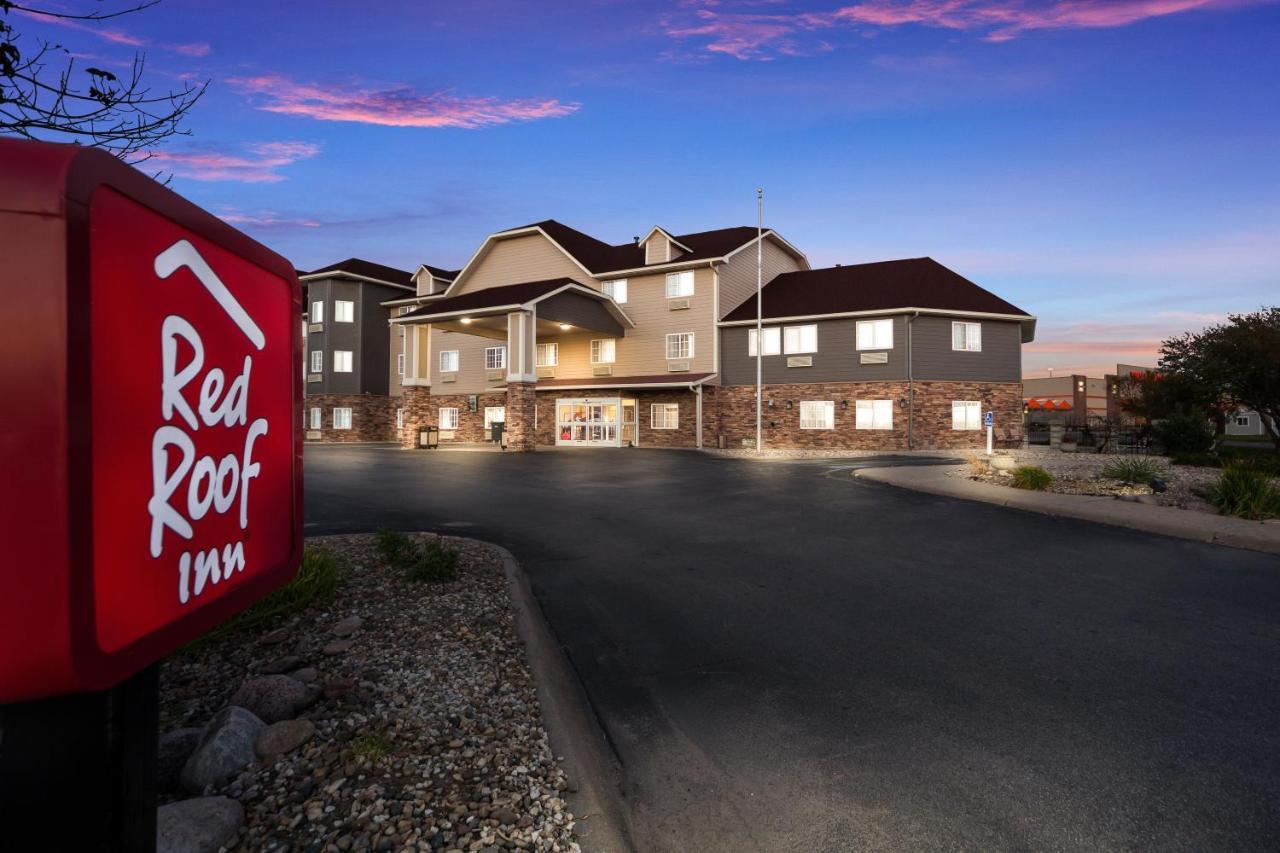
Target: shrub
[(978, 464), (397, 547), (434, 563), (1246, 492), (1135, 469), (372, 746), (1184, 434), (1031, 477), (1197, 460)]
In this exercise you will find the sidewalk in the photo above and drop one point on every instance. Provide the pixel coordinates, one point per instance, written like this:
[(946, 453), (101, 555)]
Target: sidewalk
[(1167, 521)]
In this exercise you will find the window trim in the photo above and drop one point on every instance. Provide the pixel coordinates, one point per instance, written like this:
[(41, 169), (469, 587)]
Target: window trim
[(777, 338), (400, 418), (503, 365), (337, 314), (487, 409), (317, 311), (679, 276), (976, 406), (966, 348), (338, 409), (440, 417), (552, 347), (672, 409), (828, 412), (613, 350), (317, 355), (874, 324), (317, 418), (457, 360), (337, 361), (612, 285), (400, 363), (677, 335), (801, 351), (864, 405)]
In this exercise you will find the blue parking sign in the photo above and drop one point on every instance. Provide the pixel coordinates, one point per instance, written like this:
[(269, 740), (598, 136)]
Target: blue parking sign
[(988, 418)]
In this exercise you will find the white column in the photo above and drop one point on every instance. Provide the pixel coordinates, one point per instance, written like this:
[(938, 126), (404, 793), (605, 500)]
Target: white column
[(521, 344)]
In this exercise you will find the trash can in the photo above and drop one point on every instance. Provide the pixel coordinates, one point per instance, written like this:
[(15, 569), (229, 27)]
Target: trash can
[(429, 437), (496, 431)]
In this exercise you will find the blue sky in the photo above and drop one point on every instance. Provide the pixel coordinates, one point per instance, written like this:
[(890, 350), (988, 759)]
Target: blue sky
[(1113, 166)]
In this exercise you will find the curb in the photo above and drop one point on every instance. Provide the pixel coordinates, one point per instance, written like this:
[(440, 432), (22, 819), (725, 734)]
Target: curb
[(576, 735), (1164, 521)]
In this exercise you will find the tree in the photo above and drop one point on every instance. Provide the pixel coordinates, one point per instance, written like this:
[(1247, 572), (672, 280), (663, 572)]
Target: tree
[(44, 96), (1239, 360)]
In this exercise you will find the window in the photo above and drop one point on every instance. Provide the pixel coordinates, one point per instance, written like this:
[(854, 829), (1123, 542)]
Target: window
[(772, 341), (449, 361), (548, 355), (874, 414), (679, 284), (317, 361), (664, 416), (341, 361), (495, 358), (399, 418), (342, 419), (875, 334), (602, 351), (966, 414), (817, 414), (1242, 420), (448, 418), (316, 418), (616, 289), (966, 337), (317, 312), (494, 415), (344, 311), (680, 345), (400, 364), (797, 339)]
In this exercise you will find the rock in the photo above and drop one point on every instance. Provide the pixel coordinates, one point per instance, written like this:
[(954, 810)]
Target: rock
[(275, 638), (225, 747), (175, 748), (201, 825), (271, 697), (1003, 463), (306, 675), (284, 736), (347, 626), (336, 688), (506, 817), (338, 647), (284, 664)]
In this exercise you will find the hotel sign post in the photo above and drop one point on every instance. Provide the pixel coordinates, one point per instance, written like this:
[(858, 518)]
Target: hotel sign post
[(152, 458)]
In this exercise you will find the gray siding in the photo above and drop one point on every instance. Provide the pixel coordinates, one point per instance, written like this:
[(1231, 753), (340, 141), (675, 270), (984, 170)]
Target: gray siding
[(837, 358), (578, 310), (999, 361), (367, 337)]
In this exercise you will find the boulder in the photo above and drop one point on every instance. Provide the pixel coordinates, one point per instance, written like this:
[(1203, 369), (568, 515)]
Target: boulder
[(1003, 463), (306, 675), (284, 664), (225, 747), (347, 626), (201, 825), (175, 748), (338, 647), (284, 736), (271, 697)]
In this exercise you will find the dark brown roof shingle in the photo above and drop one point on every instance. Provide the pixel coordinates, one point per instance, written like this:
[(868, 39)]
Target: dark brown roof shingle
[(601, 257), (491, 297), (369, 269)]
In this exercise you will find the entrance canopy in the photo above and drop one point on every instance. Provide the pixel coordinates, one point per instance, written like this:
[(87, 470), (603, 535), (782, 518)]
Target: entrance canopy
[(559, 305)]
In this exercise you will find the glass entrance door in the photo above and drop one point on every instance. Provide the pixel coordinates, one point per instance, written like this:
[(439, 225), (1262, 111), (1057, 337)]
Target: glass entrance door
[(588, 422), (630, 433)]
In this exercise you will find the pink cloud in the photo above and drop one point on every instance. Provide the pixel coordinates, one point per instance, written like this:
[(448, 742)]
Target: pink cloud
[(266, 219), (198, 48), (115, 35), (399, 106), (257, 165)]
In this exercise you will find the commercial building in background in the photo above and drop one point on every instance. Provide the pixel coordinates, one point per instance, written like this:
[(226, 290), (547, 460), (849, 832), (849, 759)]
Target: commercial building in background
[(349, 367), (1071, 399), (573, 341)]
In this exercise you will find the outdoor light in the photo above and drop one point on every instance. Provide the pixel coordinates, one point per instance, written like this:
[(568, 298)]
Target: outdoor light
[(564, 327), (466, 321), (788, 405), (844, 404)]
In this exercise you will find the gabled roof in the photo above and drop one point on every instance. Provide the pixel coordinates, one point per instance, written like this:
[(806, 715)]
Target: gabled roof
[(921, 283), (440, 273), (510, 296), (369, 270)]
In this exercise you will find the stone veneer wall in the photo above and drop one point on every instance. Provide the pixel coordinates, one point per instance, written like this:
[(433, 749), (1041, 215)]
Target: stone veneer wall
[(684, 436), (373, 417), (422, 408), (734, 415), (521, 404)]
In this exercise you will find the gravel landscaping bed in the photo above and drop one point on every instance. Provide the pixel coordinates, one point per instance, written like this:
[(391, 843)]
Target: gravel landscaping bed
[(398, 716), (1081, 474)]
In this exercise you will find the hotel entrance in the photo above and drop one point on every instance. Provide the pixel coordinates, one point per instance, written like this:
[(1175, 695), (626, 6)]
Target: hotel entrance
[(596, 422)]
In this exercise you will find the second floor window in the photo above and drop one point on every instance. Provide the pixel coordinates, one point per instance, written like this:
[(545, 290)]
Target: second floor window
[(495, 358), (875, 334), (680, 345), (548, 355), (617, 289), (317, 312), (966, 337), (772, 341), (341, 361), (449, 361), (344, 311), (602, 351), (317, 361), (800, 339), (679, 284)]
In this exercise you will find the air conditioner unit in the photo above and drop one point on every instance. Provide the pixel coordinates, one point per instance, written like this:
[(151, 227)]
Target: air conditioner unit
[(315, 377), (546, 372), (602, 370), (677, 366), (495, 374), (448, 377), (875, 358), (677, 304), (799, 361), (315, 327)]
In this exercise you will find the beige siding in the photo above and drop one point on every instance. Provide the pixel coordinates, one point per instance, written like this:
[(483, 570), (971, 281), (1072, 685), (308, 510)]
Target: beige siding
[(644, 349), (398, 337), (471, 377), (657, 249), (518, 259), (738, 276)]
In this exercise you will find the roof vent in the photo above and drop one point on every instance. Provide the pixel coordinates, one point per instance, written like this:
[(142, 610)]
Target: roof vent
[(636, 239)]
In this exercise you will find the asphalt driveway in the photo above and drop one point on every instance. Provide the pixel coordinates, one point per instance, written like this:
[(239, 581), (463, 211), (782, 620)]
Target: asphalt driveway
[(786, 658)]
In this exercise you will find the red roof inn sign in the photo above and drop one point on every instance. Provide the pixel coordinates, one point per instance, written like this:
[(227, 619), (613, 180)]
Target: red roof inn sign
[(151, 445)]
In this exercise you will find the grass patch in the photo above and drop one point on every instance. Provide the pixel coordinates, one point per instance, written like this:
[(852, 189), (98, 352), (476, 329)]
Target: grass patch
[(432, 562), (1246, 492), (1031, 477), (372, 746), (394, 545), (1133, 470)]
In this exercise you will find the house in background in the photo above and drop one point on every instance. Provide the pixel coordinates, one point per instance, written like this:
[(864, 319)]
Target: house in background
[(573, 341), (349, 394), (1245, 423)]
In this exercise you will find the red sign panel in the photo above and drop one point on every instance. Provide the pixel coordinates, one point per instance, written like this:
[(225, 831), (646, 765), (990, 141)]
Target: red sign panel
[(160, 476)]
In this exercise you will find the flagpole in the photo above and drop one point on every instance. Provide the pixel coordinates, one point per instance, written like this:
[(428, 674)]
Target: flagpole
[(759, 309)]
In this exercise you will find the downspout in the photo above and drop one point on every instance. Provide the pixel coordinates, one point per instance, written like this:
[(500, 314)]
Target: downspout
[(911, 387)]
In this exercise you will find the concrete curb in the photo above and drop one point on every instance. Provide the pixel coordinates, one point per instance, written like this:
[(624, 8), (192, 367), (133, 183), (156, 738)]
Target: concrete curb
[(1166, 521), (575, 733)]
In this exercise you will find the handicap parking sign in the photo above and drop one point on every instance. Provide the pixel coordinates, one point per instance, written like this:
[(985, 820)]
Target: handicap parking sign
[(988, 418)]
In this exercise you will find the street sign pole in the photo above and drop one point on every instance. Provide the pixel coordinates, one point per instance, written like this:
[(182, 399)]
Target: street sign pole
[(989, 420)]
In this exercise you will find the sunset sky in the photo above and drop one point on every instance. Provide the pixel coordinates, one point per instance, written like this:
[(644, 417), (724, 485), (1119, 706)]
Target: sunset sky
[(1112, 167)]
